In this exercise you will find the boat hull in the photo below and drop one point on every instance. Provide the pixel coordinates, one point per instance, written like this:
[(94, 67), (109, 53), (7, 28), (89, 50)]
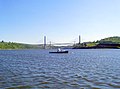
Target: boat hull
[(60, 52)]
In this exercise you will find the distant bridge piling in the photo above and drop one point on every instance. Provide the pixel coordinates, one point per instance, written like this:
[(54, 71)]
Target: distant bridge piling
[(45, 42)]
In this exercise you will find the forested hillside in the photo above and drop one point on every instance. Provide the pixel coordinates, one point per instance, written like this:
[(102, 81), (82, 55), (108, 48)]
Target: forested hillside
[(112, 40), (12, 45)]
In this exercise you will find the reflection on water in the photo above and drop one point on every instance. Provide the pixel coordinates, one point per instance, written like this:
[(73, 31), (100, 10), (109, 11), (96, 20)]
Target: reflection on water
[(79, 69)]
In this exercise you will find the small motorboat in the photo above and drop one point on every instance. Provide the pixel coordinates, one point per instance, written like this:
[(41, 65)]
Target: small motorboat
[(59, 51)]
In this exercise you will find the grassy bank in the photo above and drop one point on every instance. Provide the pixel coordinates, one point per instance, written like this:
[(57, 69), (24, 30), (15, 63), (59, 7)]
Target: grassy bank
[(110, 42), (12, 45)]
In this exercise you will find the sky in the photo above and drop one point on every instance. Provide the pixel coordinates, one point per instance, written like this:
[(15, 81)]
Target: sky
[(28, 21)]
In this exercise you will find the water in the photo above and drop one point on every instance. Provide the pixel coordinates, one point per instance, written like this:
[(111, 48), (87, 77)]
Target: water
[(79, 69)]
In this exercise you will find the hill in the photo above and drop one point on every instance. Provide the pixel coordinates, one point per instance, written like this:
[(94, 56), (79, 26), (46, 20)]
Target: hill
[(12, 45), (110, 42)]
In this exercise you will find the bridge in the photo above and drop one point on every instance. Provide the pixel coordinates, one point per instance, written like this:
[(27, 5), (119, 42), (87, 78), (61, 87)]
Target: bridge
[(48, 43), (62, 44)]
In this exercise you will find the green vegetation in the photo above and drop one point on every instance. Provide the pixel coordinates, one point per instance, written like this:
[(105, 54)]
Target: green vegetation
[(11, 45), (110, 42), (91, 44), (86, 44)]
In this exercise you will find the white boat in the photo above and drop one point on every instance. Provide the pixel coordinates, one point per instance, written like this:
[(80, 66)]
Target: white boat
[(59, 51)]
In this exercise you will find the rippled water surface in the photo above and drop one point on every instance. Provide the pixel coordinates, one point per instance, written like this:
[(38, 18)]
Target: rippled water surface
[(79, 69)]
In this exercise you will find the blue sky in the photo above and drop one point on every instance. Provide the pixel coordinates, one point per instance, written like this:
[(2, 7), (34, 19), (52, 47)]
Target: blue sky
[(27, 21)]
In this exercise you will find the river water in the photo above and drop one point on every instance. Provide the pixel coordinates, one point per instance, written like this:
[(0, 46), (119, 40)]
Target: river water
[(79, 69)]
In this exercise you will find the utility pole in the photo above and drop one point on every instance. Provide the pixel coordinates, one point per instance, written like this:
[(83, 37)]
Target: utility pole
[(50, 45), (44, 42), (79, 39)]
